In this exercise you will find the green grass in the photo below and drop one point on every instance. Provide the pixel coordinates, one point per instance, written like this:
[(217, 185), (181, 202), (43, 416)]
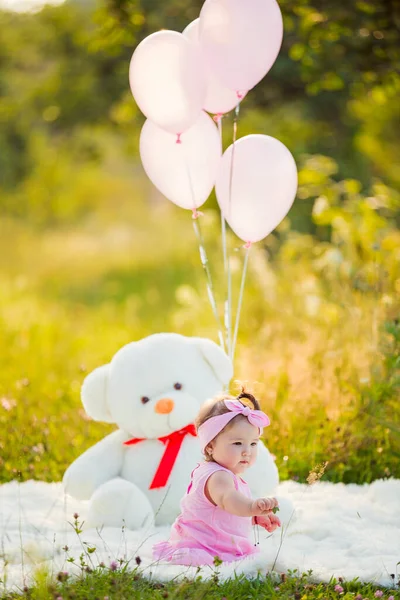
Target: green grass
[(105, 583)]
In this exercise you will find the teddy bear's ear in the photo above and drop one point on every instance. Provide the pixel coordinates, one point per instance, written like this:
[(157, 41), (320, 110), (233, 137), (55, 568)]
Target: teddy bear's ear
[(219, 362), (94, 394)]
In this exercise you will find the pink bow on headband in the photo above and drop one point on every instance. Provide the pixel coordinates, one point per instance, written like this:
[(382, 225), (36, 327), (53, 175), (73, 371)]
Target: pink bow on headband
[(212, 427), (255, 417)]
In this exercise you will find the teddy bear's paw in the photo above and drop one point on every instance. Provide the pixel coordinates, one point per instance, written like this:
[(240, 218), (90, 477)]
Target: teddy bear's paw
[(119, 503)]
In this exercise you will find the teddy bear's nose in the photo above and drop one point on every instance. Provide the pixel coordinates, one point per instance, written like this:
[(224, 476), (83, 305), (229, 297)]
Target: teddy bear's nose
[(164, 406)]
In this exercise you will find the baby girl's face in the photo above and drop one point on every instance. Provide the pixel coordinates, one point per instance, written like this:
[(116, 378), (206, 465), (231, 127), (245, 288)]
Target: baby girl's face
[(236, 447)]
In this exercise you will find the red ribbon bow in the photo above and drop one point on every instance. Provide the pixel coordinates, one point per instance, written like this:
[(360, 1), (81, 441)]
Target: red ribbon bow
[(173, 443)]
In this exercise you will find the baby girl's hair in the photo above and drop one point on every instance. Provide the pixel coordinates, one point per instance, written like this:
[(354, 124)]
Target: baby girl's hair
[(216, 407)]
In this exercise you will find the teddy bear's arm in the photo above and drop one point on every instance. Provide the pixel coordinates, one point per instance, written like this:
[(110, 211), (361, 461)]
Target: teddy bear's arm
[(98, 464)]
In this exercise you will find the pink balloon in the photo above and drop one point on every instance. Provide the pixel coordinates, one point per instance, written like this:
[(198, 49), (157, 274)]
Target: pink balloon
[(241, 39), (167, 80), (219, 98), (264, 185), (184, 172)]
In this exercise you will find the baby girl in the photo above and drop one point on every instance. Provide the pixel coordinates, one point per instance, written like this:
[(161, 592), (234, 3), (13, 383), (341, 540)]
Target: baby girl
[(217, 511)]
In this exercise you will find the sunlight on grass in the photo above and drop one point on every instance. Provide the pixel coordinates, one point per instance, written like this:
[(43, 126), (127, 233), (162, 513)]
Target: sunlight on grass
[(70, 297)]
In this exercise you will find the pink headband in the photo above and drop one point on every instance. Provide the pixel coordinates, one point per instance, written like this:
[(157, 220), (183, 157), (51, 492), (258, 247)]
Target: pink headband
[(212, 427)]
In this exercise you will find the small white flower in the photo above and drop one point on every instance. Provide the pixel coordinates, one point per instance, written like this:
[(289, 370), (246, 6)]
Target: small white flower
[(8, 403)]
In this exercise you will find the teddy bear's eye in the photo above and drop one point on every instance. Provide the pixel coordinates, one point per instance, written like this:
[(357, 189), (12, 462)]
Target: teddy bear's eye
[(145, 399), (178, 386)]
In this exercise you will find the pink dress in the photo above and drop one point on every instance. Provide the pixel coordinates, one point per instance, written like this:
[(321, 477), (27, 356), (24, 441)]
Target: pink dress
[(203, 531)]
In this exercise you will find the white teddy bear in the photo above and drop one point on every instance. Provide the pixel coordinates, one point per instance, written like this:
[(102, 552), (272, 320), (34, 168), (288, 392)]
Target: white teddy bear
[(152, 390)]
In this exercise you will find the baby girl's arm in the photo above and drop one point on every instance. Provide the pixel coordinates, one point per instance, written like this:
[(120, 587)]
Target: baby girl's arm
[(221, 491)]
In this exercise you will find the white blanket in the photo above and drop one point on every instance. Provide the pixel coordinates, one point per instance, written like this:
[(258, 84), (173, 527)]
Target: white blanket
[(334, 530)]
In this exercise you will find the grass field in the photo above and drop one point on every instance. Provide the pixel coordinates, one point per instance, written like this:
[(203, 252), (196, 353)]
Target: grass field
[(321, 353), (121, 584)]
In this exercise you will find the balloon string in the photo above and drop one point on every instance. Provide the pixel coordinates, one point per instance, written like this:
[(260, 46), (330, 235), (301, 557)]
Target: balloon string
[(227, 307), (239, 308), (228, 269), (204, 259), (234, 136), (210, 288)]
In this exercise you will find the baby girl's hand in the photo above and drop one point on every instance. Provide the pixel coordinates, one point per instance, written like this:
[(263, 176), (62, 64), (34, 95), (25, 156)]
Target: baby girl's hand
[(263, 506), (269, 522)]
